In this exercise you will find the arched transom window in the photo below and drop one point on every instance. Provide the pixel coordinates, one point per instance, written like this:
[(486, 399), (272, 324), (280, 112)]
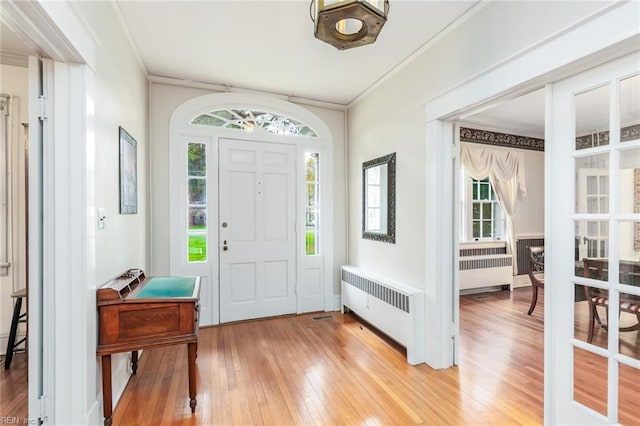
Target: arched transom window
[(250, 119)]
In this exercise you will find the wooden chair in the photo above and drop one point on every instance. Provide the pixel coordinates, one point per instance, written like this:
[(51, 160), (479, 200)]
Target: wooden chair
[(536, 270), (596, 297)]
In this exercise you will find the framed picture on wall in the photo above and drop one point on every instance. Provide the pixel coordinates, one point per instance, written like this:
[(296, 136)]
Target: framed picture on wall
[(128, 173)]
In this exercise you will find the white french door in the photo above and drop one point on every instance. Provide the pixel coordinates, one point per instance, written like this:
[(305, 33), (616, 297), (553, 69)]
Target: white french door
[(256, 229), (593, 193)]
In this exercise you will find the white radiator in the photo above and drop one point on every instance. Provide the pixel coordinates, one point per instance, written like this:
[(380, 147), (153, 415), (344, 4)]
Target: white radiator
[(484, 265), (394, 308)]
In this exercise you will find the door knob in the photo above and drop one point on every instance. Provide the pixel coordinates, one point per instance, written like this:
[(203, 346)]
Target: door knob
[(224, 246)]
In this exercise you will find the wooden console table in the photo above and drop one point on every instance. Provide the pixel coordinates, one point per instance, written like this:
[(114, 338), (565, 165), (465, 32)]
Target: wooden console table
[(136, 312)]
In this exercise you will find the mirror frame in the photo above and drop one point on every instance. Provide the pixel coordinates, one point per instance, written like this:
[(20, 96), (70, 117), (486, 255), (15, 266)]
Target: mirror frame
[(390, 235)]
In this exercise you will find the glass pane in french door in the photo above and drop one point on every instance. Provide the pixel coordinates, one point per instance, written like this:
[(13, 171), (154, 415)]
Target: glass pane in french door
[(628, 326), (628, 407), (630, 109), (590, 383), (592, 118)]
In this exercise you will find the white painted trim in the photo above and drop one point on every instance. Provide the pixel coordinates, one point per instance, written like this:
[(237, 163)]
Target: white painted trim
[(231, 89), (333, 303), (73, 30), (614, 28), (125, 29), (440, 245), (90, 284), (528, 236), (69, 260), (37, 24), (58, 266), (94, 414), (35, 300), (608, 34)]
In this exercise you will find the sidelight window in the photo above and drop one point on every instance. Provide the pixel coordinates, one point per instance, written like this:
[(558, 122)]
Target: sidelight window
[(197, 201), (312, 201)]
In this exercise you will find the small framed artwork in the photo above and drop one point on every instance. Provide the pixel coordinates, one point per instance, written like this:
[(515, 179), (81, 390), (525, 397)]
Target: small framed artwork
[(128, 173)]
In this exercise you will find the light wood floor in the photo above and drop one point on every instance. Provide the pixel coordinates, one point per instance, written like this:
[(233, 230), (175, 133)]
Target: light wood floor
[(296, 370)]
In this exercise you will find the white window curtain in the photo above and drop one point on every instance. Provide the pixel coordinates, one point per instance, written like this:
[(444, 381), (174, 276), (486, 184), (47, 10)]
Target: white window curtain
[(505, 170)]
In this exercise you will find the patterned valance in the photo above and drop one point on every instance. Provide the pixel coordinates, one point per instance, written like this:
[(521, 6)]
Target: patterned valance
[(506, 140)]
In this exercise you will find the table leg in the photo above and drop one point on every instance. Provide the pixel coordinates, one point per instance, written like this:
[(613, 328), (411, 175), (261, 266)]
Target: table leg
[(192, 348), (134, 361), (107, 408)]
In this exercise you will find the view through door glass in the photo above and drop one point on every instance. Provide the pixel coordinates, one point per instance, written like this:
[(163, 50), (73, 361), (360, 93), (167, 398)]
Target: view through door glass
[(606, 354)]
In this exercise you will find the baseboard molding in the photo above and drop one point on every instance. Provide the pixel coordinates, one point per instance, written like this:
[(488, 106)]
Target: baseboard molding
[(501, 287), (333, 303), (94, 415), (120, 375)]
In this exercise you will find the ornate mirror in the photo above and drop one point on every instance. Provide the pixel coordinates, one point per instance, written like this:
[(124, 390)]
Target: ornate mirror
[(379, 199)]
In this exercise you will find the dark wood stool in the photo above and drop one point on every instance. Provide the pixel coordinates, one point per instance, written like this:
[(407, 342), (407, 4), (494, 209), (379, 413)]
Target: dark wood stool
[(12, 345)]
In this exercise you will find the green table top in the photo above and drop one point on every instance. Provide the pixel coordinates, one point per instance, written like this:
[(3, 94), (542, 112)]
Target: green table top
[(168, 287)]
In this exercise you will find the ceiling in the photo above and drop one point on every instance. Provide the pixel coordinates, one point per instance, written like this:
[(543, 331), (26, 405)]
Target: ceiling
[(269, 46), (232, 43)]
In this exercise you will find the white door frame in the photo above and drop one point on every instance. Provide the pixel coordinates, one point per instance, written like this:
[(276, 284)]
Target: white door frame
[(61, 194), (180, 130), (607, 34)]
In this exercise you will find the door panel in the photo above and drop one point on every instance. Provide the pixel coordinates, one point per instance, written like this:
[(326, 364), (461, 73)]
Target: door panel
[(586, 151), (257, 230), (242, 204)]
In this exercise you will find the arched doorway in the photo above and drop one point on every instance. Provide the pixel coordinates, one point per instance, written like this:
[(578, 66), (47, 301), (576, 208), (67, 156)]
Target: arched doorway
[(250, 178)]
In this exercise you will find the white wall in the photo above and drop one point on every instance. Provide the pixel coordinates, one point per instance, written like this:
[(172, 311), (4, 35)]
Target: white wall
[(14, 82), (164, 99), (120, 100), (391, 119)]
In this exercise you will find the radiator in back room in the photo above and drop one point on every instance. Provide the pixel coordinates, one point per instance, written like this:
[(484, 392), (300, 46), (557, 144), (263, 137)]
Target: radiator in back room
[(485, 268), (522, 247)]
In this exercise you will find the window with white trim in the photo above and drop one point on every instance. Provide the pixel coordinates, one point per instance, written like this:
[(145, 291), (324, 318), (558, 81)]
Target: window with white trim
[(483, 216), (251, 119)]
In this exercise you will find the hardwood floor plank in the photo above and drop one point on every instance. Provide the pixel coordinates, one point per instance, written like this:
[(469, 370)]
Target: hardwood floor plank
[(297, 371)]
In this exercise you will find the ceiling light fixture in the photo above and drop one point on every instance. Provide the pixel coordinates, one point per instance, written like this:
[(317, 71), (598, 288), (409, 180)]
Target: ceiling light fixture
[(348, 23)]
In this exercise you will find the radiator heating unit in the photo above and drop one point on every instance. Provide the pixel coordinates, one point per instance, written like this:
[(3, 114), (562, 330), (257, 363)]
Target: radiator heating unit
[(485, 266), (394, 308)]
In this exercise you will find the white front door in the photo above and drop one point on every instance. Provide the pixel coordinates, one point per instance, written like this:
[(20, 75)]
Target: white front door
[(593, 191), (256, 229)]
